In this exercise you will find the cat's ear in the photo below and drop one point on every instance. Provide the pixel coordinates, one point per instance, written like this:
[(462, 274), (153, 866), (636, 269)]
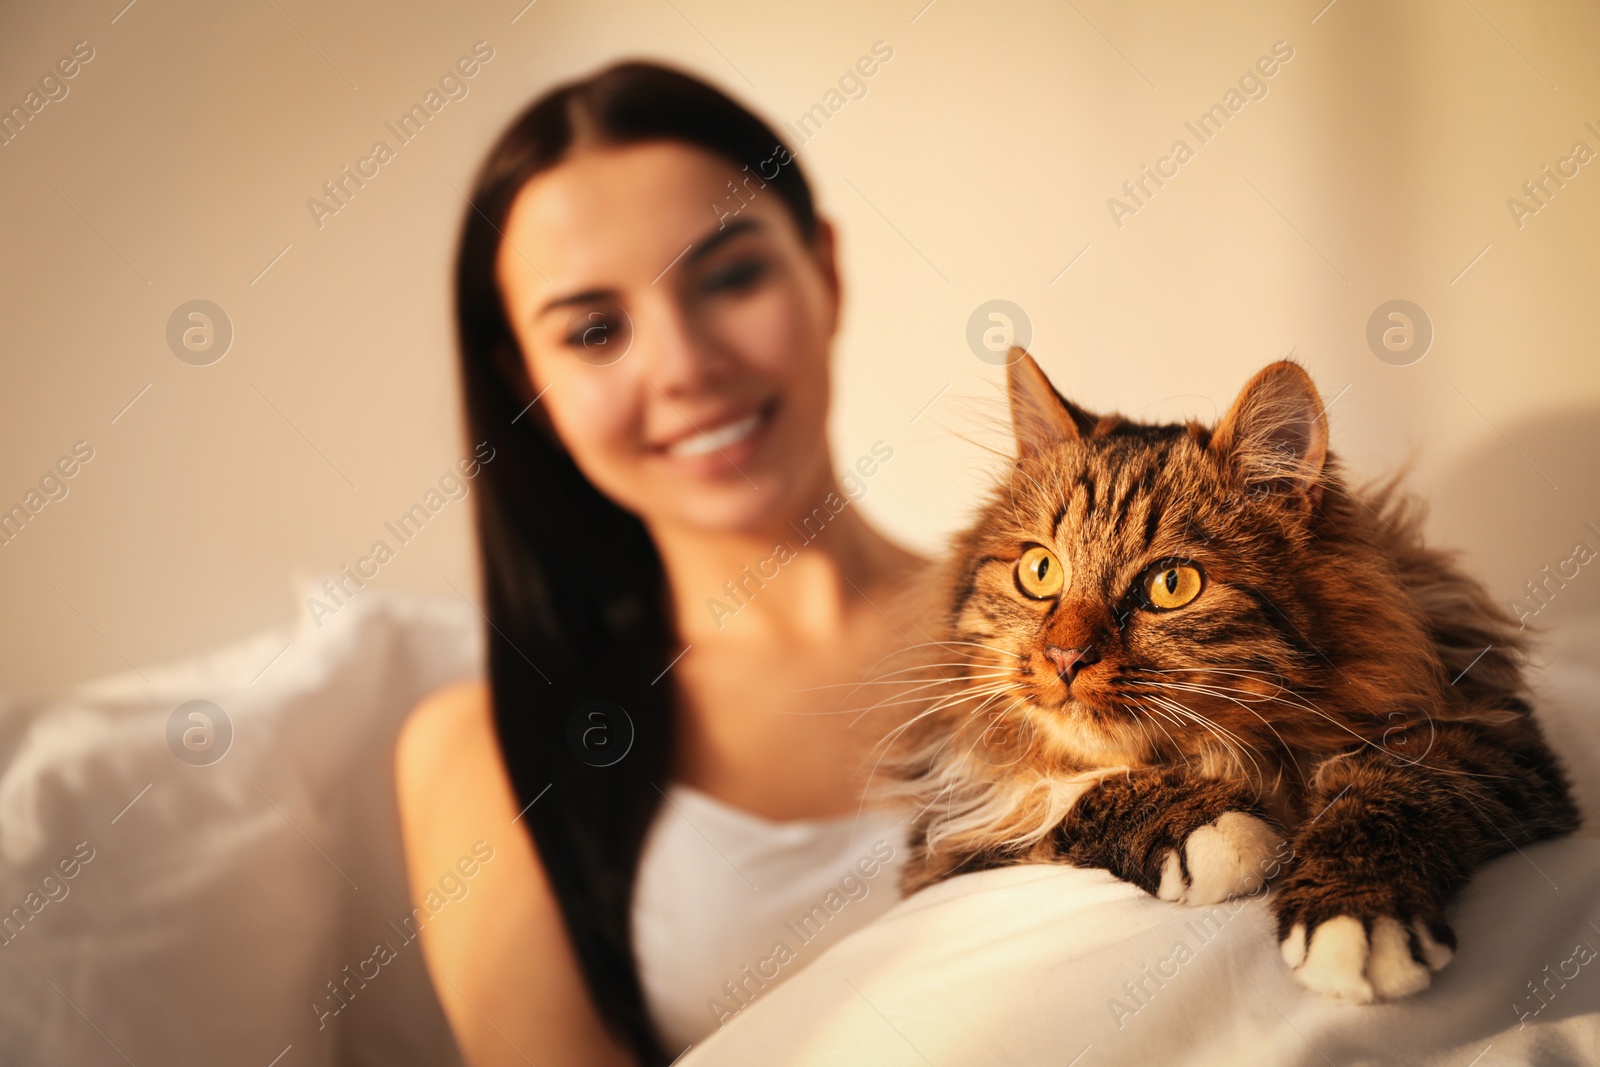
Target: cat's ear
[(1040, 416), (1276, 433)]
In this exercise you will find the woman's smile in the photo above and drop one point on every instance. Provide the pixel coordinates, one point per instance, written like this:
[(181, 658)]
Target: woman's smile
[(719, 444)]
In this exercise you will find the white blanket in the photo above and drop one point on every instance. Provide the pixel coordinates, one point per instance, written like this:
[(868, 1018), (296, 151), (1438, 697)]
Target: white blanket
[(1057, 966), (220, 900)]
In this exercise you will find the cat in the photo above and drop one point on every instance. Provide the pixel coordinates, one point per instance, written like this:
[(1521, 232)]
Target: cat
[(1196, 658)]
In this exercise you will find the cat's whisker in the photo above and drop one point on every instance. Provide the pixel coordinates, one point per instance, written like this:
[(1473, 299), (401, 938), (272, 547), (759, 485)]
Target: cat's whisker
[(888, 657), (948, 790), (1277, 685), (948, 702), (930, 665), (979, 739), (1281, 693), (1243, 696), (1227, 693), (942, 672), (1284, 695), (871, 675), (967, 672), (1209, 670), (890, 679), (914, 685), (1147, 709), (906, 691), (952, 734), (949, 786), (1230, 741), (1173, 719), (938, 705), (1144, 733), (972, 644), (1303, 703), (1287, 750), (1156, 722)]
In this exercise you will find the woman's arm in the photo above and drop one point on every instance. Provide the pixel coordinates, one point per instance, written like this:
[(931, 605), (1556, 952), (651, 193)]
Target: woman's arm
[(497, 949)]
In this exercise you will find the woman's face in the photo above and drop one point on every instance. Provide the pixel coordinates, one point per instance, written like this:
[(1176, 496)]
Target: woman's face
[(677, 340)]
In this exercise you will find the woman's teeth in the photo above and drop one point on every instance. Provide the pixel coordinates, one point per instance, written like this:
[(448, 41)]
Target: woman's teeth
[(722, 437)]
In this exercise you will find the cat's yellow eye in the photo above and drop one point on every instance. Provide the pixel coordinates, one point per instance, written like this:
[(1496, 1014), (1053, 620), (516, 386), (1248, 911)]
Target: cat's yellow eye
[(1172, 585), (1040, 574)]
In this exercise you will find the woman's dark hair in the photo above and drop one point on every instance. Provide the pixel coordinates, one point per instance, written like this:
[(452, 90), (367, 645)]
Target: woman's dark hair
[(573, 586)]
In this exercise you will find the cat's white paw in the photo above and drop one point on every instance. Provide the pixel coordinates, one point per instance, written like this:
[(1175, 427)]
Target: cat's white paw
[(1227, 858), (1341, 961)]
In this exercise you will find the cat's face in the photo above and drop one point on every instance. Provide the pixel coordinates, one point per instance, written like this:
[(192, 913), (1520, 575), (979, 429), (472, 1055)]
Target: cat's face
[(1124, 583)]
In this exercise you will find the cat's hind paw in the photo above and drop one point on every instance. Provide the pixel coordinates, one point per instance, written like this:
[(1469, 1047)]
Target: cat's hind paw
[(1342, 960), (1233, 856)]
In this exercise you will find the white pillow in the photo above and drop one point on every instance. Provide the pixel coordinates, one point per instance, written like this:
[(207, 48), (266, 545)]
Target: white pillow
[(208, 906)]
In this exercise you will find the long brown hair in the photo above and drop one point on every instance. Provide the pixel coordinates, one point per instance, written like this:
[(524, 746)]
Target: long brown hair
[(564, 631)]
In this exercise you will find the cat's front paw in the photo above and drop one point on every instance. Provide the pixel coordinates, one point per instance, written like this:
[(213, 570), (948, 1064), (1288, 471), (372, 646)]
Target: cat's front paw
[(1359, 961), (1235, 855)]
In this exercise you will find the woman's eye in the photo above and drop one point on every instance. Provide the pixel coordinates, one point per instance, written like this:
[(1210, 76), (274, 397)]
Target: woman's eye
[(590, 331), (735, 277), (1172, 585), (597, 335)]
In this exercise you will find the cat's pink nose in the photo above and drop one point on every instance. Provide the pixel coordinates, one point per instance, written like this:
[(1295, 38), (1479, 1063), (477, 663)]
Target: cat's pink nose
[(1069, 661)]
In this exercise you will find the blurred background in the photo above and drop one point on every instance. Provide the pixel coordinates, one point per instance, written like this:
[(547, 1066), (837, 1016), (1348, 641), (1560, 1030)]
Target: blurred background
[(1383, 159)]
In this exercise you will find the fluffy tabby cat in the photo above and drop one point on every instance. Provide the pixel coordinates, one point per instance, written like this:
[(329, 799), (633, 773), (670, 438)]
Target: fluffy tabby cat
[(1195, 657)]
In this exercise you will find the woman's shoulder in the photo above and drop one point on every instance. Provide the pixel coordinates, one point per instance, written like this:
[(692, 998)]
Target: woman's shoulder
[(448, 736), (509, 934)]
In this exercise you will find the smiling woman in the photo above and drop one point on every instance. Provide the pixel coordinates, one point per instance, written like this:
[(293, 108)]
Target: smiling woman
[(701, 300), (656, 382)]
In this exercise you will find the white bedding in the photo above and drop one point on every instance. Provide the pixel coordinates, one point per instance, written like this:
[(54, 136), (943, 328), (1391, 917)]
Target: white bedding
[(1028, 965), (221, 899), (1034, 965)]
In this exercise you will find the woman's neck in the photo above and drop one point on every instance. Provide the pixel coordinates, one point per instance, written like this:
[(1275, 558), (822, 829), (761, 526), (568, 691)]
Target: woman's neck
[(799, 578)]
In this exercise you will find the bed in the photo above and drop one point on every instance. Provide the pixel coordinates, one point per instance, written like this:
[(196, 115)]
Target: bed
[(1072, 968), (221, 898), (1058, 966)]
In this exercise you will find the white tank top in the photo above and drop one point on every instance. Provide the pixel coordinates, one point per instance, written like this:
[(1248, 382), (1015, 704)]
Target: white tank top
[(727, 903)]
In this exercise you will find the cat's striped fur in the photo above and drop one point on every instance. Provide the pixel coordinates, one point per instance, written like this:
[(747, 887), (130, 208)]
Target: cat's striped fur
[(1353, 697)]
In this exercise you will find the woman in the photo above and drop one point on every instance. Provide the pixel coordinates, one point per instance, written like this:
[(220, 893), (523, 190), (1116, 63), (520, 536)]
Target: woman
[(677, 589)]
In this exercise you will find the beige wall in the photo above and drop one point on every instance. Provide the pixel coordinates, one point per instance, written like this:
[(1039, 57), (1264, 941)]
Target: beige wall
[(977, 166)]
